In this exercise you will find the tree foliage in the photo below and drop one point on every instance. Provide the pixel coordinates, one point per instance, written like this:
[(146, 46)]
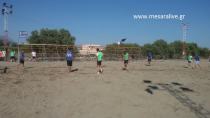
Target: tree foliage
[(51, 36), (160, 49)]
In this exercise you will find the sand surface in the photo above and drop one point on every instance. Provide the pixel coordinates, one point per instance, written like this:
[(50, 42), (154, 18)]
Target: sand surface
[(47, 90)]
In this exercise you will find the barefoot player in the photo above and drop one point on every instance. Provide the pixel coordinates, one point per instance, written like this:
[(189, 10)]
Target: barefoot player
[(22, 58), (69, 58), (197, 61), (99, 60), (125, 58), (190, 59), (33, 53), (12, 56), (149, 57)]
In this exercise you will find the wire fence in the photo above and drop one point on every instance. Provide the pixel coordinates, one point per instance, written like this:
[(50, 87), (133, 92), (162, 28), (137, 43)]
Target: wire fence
[(51, 52)]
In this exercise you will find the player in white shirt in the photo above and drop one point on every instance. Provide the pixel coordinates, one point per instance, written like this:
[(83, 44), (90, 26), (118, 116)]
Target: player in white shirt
[(33, 53)]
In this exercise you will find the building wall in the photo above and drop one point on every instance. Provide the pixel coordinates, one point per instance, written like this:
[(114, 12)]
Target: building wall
[(89, 49)]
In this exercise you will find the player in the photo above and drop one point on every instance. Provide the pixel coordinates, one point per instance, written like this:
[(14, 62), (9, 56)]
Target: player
[(209, 59), (22, 58), (1, 55), (197, 61), (149, 57), (99, 60), (33, 53), (189, 59), (69, 59), (125, 58), (12, 56)]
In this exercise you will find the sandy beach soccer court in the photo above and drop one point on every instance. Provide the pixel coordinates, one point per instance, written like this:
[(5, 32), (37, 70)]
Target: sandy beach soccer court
[(167, 89)]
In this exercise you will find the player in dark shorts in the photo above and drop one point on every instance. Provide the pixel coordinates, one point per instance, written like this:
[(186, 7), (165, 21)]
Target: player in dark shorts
[(12, 55), (209, 58), (209, 61), (33, 53), (99, 60), (22, 58), (197, 61), (125, 58), (149, 58), (69, 58), (190, 60)]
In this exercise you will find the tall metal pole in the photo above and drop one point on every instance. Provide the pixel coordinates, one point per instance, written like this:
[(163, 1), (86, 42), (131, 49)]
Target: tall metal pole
[(19, 49), (6, 11), (5, 22), (184, 37)]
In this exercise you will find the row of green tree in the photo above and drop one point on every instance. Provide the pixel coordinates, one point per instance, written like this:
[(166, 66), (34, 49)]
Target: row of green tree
[(160, 49)]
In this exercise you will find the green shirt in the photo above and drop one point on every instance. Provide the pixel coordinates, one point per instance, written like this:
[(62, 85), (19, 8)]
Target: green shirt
[(12, 53), (190, 58), (125, 56), (100, 56)]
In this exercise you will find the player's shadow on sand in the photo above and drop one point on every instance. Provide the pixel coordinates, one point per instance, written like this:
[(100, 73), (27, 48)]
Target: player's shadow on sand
[(28, 67), (73, 70), (3, 70), (147, 64)]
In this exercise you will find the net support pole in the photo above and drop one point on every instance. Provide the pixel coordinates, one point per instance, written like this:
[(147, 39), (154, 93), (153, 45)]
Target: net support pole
[(57, 52), (45, 53)]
